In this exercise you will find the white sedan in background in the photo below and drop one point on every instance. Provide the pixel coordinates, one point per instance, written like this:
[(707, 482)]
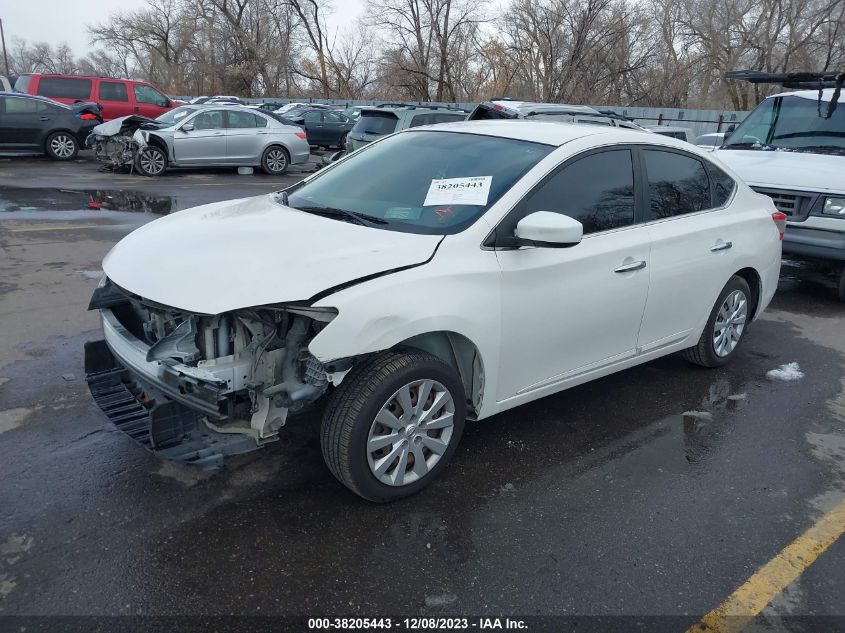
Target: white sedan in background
[(440, 274)]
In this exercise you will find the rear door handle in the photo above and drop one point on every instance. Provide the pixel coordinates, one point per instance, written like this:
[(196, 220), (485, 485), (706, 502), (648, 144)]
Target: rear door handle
[(721, 246), (627, 268), (43, 118)]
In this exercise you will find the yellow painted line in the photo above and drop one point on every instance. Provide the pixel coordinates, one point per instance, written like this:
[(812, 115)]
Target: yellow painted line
[(751, 598), (57, 227)]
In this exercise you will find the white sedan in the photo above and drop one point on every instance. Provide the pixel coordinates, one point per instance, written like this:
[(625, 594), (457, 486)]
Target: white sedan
[(438, 275)]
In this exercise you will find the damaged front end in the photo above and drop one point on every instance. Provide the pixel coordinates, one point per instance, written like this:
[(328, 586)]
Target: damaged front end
[(117, 142), (196, 387)]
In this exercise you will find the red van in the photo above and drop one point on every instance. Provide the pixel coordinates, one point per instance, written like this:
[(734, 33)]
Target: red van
[(118, 97)]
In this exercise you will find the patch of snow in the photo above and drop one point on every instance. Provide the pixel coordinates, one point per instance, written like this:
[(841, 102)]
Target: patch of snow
[(737, 396), (698, 415), (789, 371)]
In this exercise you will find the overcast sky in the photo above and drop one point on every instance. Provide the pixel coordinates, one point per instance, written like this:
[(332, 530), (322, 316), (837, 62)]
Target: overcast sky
[(57, 21)]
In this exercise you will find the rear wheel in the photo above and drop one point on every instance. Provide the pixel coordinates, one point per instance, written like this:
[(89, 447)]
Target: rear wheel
[(61, 146), (393, 424), (725, 327), (842, 284), (275, 161), (343, 142), (151, 161)]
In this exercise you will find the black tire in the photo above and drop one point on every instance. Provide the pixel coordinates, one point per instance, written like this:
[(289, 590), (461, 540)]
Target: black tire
[(61, 146), (151, 161), (343, 142), (352, 409), (842, 284), (275, 160), (704, 353)]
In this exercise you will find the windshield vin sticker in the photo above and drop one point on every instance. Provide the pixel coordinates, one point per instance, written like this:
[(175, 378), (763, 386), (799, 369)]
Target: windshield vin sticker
[(472, 191)]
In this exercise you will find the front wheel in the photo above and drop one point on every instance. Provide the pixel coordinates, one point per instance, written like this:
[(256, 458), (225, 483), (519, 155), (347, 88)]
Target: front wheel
[(725, 327), (393, 424), (151, 161), (275, 161), (61, 146)]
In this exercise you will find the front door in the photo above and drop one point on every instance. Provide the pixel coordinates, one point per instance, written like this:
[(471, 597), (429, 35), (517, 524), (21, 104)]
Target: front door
[(566, 311), (149, 102), (21, 123), (205, 144)]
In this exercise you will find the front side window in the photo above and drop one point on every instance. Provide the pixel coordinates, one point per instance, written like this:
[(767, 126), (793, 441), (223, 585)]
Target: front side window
[(428, 181), (597, 190), (65, 87), (113, 91), (211, 120), (148, 94), (677, 184)]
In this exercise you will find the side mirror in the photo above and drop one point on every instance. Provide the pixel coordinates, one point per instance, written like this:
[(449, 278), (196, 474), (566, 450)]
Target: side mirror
[(544, 228), (188, 127)]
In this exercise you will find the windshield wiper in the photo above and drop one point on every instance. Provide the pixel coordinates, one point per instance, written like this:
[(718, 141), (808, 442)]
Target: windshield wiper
[(749, 145), (357, 218), (822, 149)]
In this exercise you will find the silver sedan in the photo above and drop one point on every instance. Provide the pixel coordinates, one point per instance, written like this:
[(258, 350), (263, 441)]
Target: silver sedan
[(219, 136)]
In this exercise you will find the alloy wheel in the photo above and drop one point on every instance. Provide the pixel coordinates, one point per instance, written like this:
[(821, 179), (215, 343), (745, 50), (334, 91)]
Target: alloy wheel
[(730, 323), (411, 432), (277, 161), (62, 145), (152, 162)]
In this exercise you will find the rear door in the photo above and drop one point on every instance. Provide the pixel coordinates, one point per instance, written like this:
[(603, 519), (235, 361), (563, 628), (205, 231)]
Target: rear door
[(149, 102), (22, 123), (245, 136), (313, 120), (695, 235), (204, 143), (113, 95)]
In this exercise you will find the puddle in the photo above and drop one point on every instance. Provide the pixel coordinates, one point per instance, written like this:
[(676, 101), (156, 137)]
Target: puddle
[(34, 200)]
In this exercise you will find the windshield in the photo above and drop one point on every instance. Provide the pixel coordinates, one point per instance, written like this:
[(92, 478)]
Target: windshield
[(176, 115), (791, 123), (420, 182)]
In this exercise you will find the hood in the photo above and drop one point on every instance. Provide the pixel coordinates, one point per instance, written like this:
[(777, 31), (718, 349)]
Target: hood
[(787, 170), (252, 252), (110, 128)]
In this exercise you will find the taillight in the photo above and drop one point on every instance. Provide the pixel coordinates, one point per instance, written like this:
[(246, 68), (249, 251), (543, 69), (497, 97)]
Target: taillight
[(302, 135), (87, 116), (779, 219)]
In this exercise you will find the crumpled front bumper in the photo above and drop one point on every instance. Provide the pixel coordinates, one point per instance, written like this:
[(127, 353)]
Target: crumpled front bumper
[(163, 409)]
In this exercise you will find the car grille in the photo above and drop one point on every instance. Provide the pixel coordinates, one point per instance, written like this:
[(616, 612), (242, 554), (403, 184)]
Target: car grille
[(795, 204)]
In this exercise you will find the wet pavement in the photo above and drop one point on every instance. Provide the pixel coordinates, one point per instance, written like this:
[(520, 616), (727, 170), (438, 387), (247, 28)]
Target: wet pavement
[(656, 491)]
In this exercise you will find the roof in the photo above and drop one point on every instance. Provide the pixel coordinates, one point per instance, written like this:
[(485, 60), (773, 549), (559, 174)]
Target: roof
[(546, 132), (813, 95), (524, 107)]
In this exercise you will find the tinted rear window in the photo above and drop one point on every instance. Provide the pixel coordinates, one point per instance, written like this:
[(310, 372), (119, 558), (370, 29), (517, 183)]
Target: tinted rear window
[(64, 87), (378, 123), (22, 83)]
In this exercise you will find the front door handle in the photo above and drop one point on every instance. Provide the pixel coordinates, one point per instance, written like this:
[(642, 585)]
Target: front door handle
[(627, 268), (43, 118), (721, 246)]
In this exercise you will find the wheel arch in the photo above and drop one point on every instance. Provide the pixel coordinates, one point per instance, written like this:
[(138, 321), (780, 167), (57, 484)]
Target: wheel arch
[(755, 283), (461, 354), (59, 130), (157, 141)]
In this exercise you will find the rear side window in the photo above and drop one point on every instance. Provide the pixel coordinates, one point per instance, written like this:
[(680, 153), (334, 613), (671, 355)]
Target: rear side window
[(677, 184), (376, 123), (723, 186), (314, 116), (245, 120), (597, 190), (65, 87), (113, 91)]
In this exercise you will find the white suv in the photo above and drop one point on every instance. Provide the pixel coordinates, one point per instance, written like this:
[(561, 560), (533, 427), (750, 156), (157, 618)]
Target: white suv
[(487, 265), (792, 148)]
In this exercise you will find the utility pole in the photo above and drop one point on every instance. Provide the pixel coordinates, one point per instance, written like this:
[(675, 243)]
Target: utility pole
[(3, 39)]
